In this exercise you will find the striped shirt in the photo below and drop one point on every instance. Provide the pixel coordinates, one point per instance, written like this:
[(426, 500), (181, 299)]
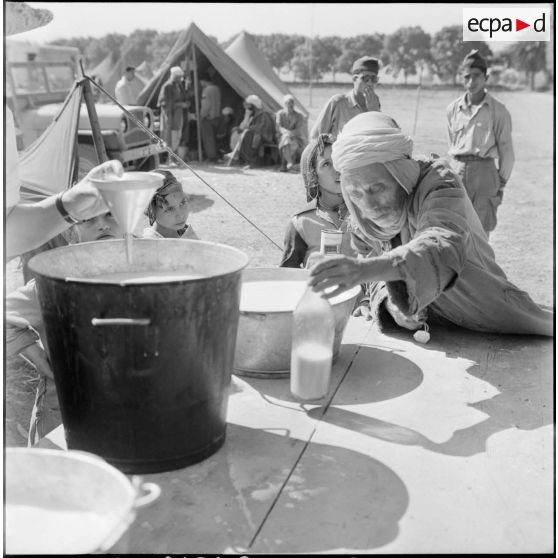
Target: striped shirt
[(483, 130)]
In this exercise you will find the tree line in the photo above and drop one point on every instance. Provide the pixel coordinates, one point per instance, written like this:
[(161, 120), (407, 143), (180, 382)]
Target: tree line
[(408, 51)]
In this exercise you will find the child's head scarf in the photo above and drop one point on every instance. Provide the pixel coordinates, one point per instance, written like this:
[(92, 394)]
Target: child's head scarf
[(170, 185), (308, 161)]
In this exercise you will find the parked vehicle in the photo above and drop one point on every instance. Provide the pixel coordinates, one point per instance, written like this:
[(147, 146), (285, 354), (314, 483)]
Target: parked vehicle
[(38, 80)]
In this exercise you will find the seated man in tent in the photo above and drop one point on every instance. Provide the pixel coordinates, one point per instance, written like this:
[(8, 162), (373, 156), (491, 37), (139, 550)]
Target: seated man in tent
[(256, 131), (292, 133)]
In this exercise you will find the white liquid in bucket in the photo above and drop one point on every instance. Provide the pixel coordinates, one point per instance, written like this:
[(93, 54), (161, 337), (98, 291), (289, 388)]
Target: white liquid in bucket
[(271, 296), (47, 530), (278, 296), (310, 370), (141, 277)]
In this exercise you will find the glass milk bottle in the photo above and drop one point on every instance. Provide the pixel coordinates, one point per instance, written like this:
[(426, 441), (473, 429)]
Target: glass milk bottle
[(312, 346)]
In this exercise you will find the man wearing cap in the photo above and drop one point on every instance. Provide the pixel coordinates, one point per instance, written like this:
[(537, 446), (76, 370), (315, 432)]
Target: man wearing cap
[(128, 87), (29, 225), (479, 131), (172, 102), (210, 113), (344, 106)]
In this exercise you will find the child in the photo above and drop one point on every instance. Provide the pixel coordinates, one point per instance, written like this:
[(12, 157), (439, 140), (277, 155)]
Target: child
[(325, 209), (25, 329), (168, 211)]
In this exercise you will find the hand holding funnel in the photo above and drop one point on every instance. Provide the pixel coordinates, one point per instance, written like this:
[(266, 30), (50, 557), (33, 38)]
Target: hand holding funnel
[(127, 196)]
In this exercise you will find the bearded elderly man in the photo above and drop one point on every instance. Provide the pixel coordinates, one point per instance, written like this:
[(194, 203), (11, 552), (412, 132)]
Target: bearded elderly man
[(342, 107), (427, 256)]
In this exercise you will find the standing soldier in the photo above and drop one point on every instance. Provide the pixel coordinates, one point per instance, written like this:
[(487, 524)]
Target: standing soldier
[(344, 106), (479, 131)]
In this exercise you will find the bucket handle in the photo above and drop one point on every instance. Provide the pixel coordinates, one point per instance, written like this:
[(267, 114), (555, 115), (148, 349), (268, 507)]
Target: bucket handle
[(152, 492), (120, 321)]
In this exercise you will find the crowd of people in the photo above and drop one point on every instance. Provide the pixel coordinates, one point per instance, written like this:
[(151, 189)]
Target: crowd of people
[(256, 138), (415, 232)]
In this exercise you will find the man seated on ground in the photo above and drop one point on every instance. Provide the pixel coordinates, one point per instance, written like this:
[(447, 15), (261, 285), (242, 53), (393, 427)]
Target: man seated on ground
[(255, 132), (425, 255), (292, 133), (25, 333)]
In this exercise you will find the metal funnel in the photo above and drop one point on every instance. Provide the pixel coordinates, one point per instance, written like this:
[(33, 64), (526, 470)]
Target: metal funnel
[(127, 197)]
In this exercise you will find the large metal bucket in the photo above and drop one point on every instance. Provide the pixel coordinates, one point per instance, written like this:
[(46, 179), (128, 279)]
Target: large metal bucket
[(263, 347), (142, 370)]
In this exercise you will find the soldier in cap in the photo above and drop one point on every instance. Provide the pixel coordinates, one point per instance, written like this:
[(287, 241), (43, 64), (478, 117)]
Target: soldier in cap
[(479, 131), (344, 106)]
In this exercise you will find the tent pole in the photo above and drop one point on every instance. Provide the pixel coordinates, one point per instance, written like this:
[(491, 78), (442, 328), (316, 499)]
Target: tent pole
[(196, 94), (93, 119)]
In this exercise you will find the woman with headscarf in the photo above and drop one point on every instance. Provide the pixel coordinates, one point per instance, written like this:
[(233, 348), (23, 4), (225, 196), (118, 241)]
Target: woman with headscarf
[(291, 132), (427, 255), (255, 131), (325, 208)]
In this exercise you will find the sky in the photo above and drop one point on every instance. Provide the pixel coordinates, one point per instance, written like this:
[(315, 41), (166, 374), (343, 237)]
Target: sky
[(223, 20)]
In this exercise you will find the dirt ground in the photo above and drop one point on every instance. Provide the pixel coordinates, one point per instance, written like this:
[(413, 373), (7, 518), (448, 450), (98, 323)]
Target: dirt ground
[(523, 241)]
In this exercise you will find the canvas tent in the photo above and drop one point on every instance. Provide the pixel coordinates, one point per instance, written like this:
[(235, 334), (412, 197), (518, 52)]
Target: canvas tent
[(47, 165), (197, 53), (245, 53), (144, 71)]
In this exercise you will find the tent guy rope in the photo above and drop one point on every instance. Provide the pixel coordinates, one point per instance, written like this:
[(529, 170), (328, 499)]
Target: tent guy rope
[(179, 161)]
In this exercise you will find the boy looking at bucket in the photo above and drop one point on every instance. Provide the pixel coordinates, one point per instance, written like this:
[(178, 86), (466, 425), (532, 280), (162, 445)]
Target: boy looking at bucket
[(168, 211), (25, 333)]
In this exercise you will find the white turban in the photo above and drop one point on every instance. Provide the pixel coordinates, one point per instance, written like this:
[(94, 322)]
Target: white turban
[(176, 71), (370, 137), (288, 97), (254, 100)]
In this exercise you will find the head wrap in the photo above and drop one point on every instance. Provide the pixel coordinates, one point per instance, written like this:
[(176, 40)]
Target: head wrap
[(227, 110), (177, 71), (254, 100), (288, 98), (170, 186), (370, 137), (474, 60), (20, 17), (308, 164), (365, 64), (374, 137)]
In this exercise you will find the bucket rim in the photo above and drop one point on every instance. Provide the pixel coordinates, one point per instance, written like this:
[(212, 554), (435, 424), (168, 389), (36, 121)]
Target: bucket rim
[(78, 455), (38, 258), (250, 275), (122, 517)]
